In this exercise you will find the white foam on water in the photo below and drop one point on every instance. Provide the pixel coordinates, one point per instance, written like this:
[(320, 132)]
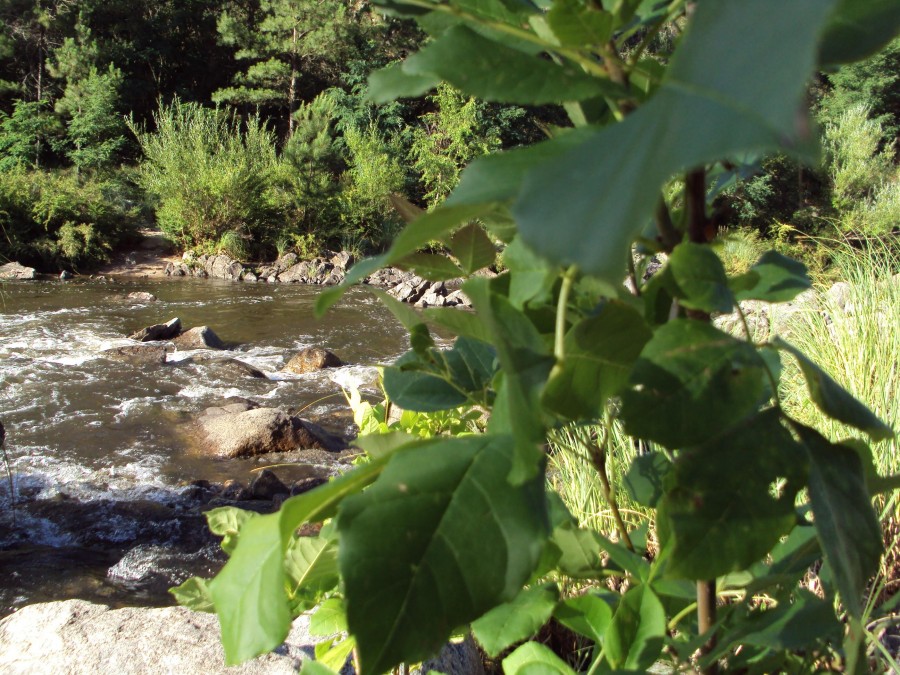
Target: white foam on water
[(353, 377), (200, 391)]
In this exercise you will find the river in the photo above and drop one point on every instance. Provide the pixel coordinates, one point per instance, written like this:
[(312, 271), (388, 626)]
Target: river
[(82, 429)]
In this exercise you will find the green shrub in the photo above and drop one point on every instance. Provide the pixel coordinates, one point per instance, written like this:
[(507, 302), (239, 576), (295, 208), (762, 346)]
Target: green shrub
[(209, 175)]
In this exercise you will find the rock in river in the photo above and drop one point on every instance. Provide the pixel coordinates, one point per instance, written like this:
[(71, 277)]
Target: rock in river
[(139, 354), (160, 331), (201, 337), (14, 270), (310, 360)]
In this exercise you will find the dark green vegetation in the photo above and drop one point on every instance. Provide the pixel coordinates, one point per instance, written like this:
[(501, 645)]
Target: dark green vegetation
[(747, 499)]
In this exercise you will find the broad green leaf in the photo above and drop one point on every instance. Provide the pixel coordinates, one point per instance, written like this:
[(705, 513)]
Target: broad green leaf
[(599, 353), (721, 519), (392, 82), (430, 266), (644, 480), (311, 667), (473, 248), (691, 382), (516, 620), (720, 99), (578, 24), (408, 317), (635, 635), (833, 400), (311, 565), (399, 8), (249, 592), (420, 391), (533, 658), (580, 551), (700, 278), (847, 526), (471, 364), (378, 445), (194, 594), (775, 278), (588, 615), (458, 322), (491, 71), (531, 278), (320, 503), (336, 655), (857, 29), (226, 522), (329, 618), (438, 540)]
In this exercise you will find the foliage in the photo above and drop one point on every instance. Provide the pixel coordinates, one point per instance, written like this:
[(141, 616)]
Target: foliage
[(447, 139), (435, 535), (62, 220), (25, 134), (209, 174)]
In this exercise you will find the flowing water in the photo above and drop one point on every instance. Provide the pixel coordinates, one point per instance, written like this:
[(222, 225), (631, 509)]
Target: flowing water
[(87, 432)]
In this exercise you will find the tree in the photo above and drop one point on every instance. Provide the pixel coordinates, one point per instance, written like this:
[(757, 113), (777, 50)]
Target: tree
[(428, 536), (281, 40)]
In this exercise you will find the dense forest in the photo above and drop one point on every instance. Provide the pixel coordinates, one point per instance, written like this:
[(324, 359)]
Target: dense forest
[(244, 127)]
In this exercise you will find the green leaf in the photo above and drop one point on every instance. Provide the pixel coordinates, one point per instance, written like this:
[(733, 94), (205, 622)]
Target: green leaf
[(857, 29), (635, 635), (588, 615), (329, 618), (599, 353), (438, 540), (721, 519), (194, 594), (249, 592), (482, 67), (458, 322), (226, 522), (473, 248), (311, 667), (517, 620), (833, 400), (419, 386), (392, 82), (775, 278), (408, 317), (578, 24), (719, 99), (700, 278), (644, 480), (431, 266), (847, 526), (535, 659), (311, 565), (531, 278), (579, 551), (691, 382), (336, 656)]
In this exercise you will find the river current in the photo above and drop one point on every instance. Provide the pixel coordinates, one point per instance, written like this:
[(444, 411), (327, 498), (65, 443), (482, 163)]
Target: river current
[(84, 429)]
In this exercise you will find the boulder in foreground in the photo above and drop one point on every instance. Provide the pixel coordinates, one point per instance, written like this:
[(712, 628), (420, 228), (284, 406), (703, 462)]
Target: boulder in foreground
[(310, 360)]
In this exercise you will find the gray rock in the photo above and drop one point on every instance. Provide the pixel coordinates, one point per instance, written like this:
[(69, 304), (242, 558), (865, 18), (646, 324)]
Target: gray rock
[(298, 273), (266, 485), (240, 368), (139, 354), (223, 267), (840, 296), (160, 331), (285, 261), (342, 260), (310, 360), (201, 337), (14, 270), (251, 277), (65, 275), (255, 432), (80, 638)]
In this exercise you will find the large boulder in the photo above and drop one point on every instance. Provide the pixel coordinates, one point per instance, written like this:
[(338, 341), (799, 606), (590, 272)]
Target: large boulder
[(159, 331), (14, 270), (310, 360), (261, 431), (80, 638), (142, 355), (76, 637), (223, 267), (201, 337)]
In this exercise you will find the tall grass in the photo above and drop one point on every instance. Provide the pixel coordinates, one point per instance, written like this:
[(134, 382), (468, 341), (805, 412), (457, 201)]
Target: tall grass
[(858, 345)]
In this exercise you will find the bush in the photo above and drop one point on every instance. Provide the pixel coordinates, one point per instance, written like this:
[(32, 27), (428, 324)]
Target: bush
[(57, 220), (210, 175)]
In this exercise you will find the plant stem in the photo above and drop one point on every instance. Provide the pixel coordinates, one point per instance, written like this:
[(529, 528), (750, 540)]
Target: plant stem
[(598, 459), (706, 619), (668, 234), (559, 348)]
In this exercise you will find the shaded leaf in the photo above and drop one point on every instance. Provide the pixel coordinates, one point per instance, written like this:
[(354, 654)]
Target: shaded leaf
[(473, 248), (644, 480), (833, 400), (392, 82), (311, 565), (700, 278), (438, 540), (635, 635), (579, 24), (719, 99), (775, 278), (599, 353), (431, 266), (531, 278), (691, 382), (194, 594), (588, 615), (516, 620), (847, 526), (482, 67), (857, 29)]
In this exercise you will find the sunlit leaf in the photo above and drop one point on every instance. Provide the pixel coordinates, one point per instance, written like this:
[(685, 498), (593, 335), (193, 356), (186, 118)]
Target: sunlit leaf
[(635, 635), (533, 658), (516, 620)]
